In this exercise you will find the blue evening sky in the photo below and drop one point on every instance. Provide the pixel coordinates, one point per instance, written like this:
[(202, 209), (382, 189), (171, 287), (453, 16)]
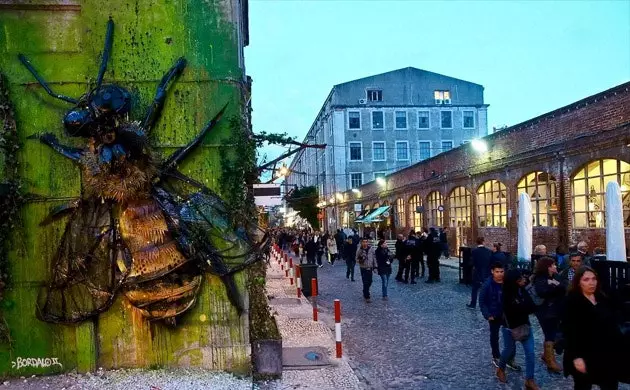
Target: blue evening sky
[(532, 56)]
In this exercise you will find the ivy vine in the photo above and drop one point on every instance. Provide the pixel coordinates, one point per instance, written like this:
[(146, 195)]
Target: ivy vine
[(11, 197)]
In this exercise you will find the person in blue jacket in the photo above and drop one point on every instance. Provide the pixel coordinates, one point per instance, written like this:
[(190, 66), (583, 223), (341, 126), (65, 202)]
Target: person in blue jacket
[(481, 260)]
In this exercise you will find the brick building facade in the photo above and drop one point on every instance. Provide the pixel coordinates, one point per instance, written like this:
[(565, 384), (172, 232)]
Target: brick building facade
[(562, 159)]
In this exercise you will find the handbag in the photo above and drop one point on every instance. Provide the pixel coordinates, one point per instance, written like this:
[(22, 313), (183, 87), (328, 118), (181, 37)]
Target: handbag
[(520, 333)]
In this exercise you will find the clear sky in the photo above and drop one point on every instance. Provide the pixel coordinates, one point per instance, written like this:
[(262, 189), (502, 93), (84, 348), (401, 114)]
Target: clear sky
[(532, 57)]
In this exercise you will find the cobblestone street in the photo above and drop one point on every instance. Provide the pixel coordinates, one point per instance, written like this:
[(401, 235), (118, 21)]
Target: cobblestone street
[(423, 337)]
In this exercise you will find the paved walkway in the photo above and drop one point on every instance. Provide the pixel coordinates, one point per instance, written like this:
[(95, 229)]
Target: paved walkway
[(423, 337)]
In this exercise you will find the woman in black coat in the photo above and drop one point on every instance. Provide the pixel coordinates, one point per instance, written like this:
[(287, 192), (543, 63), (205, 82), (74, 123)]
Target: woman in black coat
[(593, 340), (384, 265)]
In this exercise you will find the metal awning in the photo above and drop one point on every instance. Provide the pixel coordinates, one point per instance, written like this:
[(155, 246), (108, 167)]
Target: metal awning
[(375, 215), (363, 214)]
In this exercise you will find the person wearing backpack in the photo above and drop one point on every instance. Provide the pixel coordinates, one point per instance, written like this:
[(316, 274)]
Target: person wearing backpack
[(548, 293)]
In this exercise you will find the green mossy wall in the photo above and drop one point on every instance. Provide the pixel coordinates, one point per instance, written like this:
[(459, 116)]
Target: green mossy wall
[(64, 40)]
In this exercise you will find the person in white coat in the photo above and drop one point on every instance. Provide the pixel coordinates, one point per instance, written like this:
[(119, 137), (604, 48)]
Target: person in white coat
[(332, 250)]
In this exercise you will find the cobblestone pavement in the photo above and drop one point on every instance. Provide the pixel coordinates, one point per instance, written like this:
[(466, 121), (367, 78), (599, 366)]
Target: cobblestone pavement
[(423, 337)]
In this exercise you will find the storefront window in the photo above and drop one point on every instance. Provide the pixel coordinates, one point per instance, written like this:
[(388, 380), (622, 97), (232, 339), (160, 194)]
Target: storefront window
[(492, 204), (435, 205), (400, 213), (460, 202), (415, 217), (542, 189)]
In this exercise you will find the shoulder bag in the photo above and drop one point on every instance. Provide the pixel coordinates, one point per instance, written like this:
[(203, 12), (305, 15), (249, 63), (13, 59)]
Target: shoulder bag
[(520, 333)]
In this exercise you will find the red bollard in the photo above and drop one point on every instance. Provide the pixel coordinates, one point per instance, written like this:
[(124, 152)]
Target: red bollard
[(314, 297), (338, 327), (291, 271), (298, 281)]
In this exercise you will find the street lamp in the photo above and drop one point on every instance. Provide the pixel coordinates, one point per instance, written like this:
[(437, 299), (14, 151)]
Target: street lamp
[(381, 181), (479, 145)]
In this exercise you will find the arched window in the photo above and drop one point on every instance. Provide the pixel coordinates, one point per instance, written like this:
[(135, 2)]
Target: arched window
[(460, 207), (588, 187), (542, 189), (435, 206), (415, 217), (492, 204), (400, 213)]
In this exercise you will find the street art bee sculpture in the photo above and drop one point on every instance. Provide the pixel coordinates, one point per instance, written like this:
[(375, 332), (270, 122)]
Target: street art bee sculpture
[(140, 226)]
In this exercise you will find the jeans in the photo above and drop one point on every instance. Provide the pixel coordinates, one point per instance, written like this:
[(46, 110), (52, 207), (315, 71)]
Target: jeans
[(350, 269), (474, 293), (509, 349), (385, 281), (366, 277), (495, 327), (319, 258)]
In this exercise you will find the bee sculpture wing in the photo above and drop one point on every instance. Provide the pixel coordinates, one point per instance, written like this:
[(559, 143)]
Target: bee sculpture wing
[(84, 277), (202, 224)]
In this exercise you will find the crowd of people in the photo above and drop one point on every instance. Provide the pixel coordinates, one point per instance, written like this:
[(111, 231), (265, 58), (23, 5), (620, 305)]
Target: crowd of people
[(576, 318)]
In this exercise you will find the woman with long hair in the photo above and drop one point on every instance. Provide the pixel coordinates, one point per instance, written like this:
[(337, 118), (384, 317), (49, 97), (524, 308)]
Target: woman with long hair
[(593, 349), (517, 306), (552, 292)]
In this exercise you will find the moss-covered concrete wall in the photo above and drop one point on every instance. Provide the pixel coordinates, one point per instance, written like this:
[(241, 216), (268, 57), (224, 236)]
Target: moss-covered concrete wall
[(64, 40)]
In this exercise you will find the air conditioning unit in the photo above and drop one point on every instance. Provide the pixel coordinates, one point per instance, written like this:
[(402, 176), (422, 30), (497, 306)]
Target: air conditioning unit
[(447, 101), (438, 101), (362, 101)]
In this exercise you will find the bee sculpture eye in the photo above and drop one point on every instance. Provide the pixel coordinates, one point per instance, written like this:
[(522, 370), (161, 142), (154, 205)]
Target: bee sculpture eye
[(77, 121), (110, 99)]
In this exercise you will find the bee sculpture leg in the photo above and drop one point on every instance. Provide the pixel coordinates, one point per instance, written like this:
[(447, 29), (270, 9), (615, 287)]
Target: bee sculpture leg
[(160, 95), (179, 155), (43, 82), (49, 139)]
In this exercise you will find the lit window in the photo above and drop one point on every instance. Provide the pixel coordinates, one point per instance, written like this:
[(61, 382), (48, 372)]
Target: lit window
[(588, 189), (469, 120), (460, 207), (401, 119), (355, 151), (442, 97), (377, 119), (543, 192), (424, 148), (447, 119), (375, 95), (415, 212), (447, 145), (354, 120), (435, 201), (378, 151), (492, 204), (402, 150), (400, 213), (356, 180), (423, 119)]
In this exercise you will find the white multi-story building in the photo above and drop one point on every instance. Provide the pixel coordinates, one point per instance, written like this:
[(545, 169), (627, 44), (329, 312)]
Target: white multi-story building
[(377, 125)]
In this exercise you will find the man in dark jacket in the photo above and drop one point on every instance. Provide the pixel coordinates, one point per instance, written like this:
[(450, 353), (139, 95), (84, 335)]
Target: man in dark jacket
[(433, 248), (491, 305), (481, 269), (417, 256), (311, 250), (401, 256), (350, 252)]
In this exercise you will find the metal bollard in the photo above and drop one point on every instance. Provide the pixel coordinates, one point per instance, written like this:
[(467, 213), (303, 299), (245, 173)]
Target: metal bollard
[(314, 297), (291, 271), (298, 281), (338, 327)]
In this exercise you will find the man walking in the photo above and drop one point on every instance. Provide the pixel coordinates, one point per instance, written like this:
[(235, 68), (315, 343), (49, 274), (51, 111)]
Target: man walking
[(433, 249), (351, 252), (491, 305), (367, 265), (481, 269), (401, 256), (444, 242)]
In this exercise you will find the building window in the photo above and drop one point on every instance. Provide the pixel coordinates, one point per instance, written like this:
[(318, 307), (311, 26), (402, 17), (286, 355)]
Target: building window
[(402, 150), (492, 204), (460, 207), (331, 158), (435, 205), (542, 189), (447, 119), (354, 120), (330, 128), (588, 189), (356, 180), (415, 212), (378, 151), (399, 215), (442, 97), (469, 120), (377, 120), (375, 95), (446, 146), (424, 148), (355, 151), (423, 120), (401, 120)]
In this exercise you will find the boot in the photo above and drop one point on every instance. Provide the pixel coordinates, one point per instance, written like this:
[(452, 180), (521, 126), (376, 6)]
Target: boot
[(501, 375), (530, 384), (550, 358)]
